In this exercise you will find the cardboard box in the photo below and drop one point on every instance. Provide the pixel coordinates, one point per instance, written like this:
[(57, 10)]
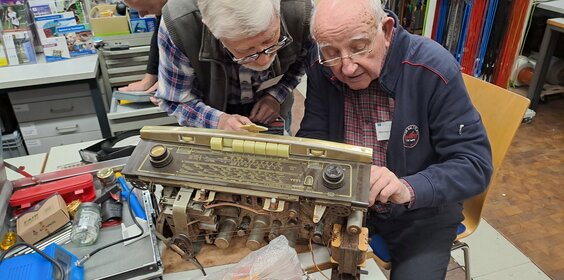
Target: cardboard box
[(43, 219), (104, 26)]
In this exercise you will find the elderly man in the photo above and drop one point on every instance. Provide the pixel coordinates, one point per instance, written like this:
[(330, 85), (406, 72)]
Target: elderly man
[(224, 63), (371, 83)]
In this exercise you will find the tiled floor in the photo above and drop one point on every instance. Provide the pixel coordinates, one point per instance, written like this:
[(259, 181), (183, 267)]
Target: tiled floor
[(494, 257)]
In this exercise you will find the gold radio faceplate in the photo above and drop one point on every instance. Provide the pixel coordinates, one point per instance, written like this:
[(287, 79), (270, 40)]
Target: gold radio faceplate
[(191, 157)]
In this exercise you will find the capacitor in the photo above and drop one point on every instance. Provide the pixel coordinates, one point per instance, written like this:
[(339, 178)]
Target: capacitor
[(256, 237), (244, 226), (291, 233), (225, 234), (354, 222), (274, 230), (318, 233)]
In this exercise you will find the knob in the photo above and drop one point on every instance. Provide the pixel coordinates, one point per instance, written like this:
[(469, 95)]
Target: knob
[(333, 176), (159, 156)]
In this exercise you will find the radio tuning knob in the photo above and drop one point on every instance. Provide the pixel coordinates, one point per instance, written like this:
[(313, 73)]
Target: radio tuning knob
[(333, 176), (159, 156)]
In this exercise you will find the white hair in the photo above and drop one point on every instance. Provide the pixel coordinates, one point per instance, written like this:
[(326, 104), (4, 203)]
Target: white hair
[(237, 19), (375, 6)]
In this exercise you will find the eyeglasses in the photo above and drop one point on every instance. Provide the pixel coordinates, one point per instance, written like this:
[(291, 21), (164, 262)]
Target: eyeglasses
[(284, 41), (337, 60), (334, 60)]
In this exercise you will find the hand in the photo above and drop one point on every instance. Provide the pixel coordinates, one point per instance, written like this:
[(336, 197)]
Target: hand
[(148, 83), (154, 100), (232, 122), (266, 110), (386, 186)]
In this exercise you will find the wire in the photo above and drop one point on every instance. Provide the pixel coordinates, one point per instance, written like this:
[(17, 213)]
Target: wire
[(235, 205), (313, 259), (89, 255), (54, 262)]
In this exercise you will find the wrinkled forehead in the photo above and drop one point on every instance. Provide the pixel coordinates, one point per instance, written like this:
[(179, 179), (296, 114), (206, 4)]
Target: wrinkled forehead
[(342, 22)]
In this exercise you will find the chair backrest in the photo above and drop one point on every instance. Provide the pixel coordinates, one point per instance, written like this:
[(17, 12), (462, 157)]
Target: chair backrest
[(502, 112)]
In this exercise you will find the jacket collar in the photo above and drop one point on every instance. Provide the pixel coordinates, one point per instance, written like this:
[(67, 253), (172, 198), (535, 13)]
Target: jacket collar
[(397, 52)]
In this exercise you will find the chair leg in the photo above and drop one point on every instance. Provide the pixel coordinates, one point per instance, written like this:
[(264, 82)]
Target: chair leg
[(466, 250)]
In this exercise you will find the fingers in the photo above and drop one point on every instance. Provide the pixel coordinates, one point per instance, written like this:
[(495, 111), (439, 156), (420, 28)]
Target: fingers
[(264, 115), (386, 187), (233, 122), (254, 111), (241, 121), (266, 110), (378, 181), (135, 86), (154, 87), (154, 100)]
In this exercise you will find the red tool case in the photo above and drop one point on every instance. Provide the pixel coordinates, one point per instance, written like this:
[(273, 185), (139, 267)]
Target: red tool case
[(79, 187)]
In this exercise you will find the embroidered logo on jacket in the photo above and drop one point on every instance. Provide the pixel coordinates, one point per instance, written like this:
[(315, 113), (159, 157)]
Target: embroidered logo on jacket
[(411, 136)]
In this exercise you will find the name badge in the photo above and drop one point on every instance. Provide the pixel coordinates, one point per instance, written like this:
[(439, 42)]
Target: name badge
[(383, 130), (268, 83)]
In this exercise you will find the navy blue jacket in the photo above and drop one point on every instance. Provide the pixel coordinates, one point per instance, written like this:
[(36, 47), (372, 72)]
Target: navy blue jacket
[(438, 143)]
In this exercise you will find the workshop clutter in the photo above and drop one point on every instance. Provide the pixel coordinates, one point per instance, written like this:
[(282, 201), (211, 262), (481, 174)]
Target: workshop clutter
[(79, 187), (68, 212)]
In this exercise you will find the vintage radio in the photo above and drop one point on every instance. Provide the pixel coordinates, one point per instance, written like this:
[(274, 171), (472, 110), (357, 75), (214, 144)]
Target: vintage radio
[(219, 184)]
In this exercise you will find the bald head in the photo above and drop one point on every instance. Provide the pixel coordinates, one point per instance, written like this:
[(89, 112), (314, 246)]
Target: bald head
[(338, 16), (353, 39)]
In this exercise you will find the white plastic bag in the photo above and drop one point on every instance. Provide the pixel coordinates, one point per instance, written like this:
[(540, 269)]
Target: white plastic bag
[(275, 261)]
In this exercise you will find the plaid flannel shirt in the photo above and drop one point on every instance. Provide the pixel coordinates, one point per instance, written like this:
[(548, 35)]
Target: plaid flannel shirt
[(363, 110), (179, 98)]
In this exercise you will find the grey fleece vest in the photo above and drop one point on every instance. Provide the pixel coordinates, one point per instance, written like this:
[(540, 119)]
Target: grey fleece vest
[(184, 23)]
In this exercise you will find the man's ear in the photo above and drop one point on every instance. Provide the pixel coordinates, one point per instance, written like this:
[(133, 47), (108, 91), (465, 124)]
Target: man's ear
[(388, 27)]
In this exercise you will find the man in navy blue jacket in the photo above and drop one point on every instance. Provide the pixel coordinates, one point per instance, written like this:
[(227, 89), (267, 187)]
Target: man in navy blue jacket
[(372, 84)]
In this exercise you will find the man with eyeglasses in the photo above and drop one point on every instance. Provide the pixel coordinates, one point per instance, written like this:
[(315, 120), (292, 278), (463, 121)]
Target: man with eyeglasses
[(371, 83), (224, 64)]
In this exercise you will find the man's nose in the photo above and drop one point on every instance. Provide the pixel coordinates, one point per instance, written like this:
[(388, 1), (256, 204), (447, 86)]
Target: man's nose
[(348, 66), (264, 59)]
